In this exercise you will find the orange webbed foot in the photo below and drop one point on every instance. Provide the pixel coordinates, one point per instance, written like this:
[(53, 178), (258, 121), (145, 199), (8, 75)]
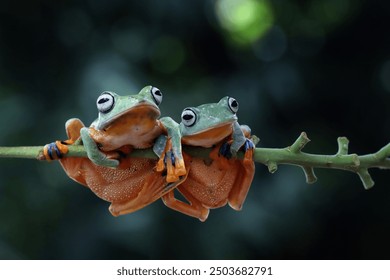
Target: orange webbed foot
[(55, 150), (249, 148), (58, 149), (174, 166)]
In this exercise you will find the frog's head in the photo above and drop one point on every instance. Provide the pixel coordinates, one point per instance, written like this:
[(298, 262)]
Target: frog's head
[(208, 124), (113, 107)]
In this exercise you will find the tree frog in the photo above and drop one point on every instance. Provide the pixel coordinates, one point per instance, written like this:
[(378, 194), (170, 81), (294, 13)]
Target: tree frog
[(223, 178), (132, 185), (124, 123)]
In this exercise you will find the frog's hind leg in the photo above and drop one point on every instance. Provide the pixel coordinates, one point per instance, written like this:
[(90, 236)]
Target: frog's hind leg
[(241, 185), (245, 173), (194, 209), (57, 149), (150, 192), (73, 127), (74, 167)]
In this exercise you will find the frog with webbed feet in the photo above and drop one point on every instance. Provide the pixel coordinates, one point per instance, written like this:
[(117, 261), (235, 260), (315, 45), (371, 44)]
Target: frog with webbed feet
[(223, 178), (124, 123)]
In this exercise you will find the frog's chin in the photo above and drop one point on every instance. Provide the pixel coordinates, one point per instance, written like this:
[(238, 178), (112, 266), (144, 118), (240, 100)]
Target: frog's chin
[(142, 111), (209, 137)]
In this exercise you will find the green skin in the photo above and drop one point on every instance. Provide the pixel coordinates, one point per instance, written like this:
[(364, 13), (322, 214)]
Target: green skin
[(133, 135), (211, 116)]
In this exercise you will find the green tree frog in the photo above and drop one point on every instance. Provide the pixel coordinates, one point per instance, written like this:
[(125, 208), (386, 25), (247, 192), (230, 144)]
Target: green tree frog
[(124, 123), (223, 178)]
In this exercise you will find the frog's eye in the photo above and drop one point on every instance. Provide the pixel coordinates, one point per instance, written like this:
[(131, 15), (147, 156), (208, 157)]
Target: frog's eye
[(105, 102), (188, 117), (157, 95), (233, 104)]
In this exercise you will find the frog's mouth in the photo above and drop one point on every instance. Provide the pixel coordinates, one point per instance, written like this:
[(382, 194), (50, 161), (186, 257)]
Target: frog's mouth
[(137, 115), (209, 137)]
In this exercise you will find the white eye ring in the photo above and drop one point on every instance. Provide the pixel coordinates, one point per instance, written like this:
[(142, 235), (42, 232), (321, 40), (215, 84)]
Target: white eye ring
[(157, 95), (188, 117), (105, 102), (233, 104)]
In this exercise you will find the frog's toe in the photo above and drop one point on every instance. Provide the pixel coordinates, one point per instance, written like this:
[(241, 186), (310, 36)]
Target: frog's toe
[(248, 145), (169, 162), (175, 167), (180, 169), (55, 150), (249, 148), (225, 150), (160, 166)]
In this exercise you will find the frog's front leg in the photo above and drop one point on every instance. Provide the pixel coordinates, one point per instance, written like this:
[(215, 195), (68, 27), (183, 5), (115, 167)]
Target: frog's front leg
[(172, 153), (241, 139), (238, 138), (93, 152)]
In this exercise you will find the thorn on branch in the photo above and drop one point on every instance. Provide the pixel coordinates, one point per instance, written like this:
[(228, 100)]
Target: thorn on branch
[(343, 143), (299, 143), (272, 167), (367, 181), (311, 178)]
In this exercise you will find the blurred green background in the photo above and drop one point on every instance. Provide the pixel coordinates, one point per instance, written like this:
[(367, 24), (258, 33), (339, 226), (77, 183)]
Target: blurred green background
[(320, 66)]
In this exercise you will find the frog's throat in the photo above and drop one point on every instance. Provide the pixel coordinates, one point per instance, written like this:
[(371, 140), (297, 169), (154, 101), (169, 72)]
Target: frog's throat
[(152, 109), (210, 136)]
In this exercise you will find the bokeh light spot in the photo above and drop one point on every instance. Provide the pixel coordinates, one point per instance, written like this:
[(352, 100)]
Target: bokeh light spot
[(330, 12), (167, 54), (244, 20), (272, 46)]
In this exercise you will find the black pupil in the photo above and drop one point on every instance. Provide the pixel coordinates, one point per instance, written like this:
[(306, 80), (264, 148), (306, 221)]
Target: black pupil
[(103, 100), (188, 117), (234, 103), (157, 92)]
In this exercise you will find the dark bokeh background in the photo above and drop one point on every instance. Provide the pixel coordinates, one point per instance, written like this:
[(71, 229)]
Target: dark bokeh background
[(320, 66)]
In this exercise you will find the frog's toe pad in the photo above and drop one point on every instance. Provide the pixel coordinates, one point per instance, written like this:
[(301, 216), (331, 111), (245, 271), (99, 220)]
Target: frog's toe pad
[(180, 169), (248, 145)]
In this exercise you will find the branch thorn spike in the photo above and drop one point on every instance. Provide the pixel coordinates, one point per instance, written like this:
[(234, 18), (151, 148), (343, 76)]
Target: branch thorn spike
[(311, 178), (367, 181), (298, 145), (272, 167), (343, 143)]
